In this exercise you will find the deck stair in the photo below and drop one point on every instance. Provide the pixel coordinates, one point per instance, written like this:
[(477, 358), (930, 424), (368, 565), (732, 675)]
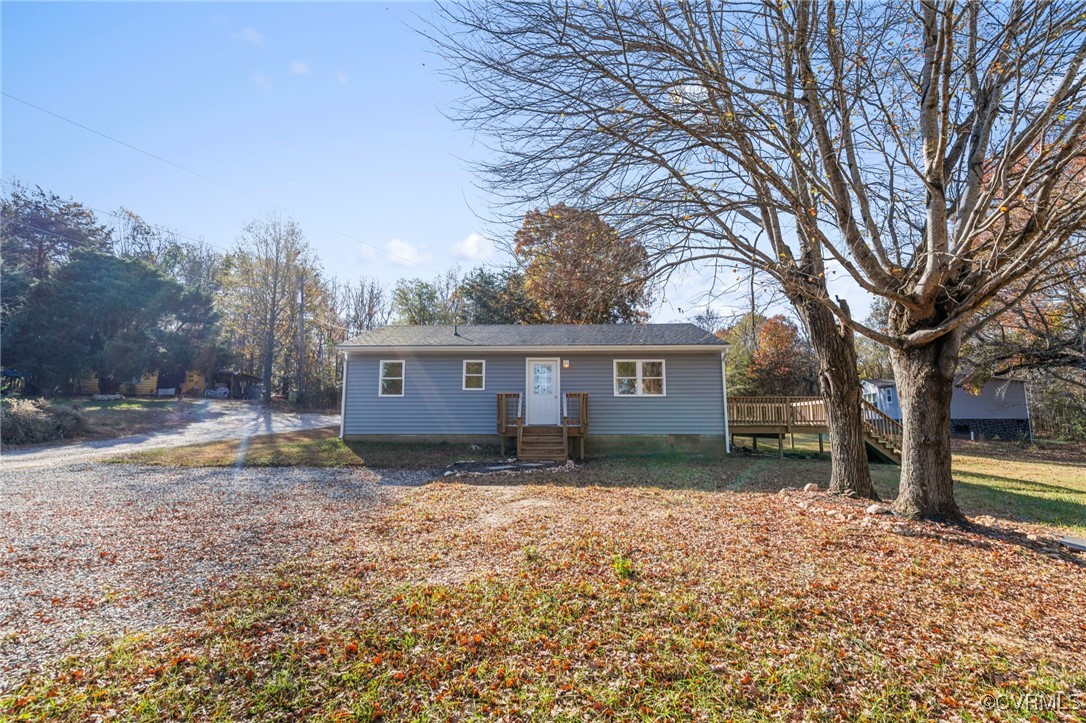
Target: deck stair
[(539, 444)]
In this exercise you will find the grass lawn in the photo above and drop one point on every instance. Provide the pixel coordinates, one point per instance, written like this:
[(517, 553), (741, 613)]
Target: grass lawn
[(310, 448), (639, 589), (1035, 485), (123, 417)]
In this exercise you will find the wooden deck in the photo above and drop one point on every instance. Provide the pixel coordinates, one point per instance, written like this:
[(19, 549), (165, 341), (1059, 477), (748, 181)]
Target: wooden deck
[(543, 442), (778, 417), (754, 417)]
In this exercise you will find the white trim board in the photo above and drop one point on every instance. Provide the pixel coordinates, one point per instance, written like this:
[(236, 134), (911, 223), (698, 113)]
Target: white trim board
[(539, 351)]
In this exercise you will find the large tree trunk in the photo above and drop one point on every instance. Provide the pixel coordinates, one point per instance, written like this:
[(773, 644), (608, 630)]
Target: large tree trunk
[(835, 349), (925, 381)]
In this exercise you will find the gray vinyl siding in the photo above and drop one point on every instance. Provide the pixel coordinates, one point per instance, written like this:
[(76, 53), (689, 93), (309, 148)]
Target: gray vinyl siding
[(434, 403), (997, 400)]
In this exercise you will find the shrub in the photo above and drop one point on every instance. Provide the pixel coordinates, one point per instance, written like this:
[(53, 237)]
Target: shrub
[(31, 421)]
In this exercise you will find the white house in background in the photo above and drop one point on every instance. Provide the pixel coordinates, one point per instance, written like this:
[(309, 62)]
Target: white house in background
[(1000, 410)]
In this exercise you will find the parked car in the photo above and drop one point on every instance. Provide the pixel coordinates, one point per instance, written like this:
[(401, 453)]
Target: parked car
[(220, 392)]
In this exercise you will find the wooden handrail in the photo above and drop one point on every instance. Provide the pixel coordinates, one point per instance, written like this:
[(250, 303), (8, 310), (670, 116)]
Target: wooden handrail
[(575, 410), (879, 424)]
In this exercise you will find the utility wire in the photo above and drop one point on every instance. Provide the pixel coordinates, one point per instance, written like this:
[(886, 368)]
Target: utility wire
[(198, 175), (111, 138)]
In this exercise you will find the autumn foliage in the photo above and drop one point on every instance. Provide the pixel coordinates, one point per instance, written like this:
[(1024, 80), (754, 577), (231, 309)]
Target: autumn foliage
[(579, 270)]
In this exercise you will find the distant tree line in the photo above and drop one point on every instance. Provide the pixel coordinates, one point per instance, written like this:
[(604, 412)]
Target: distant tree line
[(118, 296)]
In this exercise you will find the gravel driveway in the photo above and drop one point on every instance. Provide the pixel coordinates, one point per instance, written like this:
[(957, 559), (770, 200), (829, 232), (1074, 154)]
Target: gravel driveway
[(91, 551), (217, 421)]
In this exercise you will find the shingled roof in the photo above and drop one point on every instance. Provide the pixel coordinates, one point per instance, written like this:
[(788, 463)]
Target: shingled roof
[(535, 335)]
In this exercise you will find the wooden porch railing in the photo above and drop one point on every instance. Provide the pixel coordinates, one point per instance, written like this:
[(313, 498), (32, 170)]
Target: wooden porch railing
[(574, 412), (510, 417), (575, 417)]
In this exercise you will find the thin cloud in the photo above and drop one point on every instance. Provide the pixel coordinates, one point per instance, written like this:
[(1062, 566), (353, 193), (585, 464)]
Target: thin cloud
[(475, 247), (403, 253), (298, 67), (341, 76), (250, 36), (262, 81)]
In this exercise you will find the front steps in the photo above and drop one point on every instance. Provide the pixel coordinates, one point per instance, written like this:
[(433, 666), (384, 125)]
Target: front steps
[(542, 444)]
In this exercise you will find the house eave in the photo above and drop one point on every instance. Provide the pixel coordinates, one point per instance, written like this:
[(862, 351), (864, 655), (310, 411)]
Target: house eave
[(475, 349)]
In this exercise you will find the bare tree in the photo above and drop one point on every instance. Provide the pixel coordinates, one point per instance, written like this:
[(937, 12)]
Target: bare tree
[(927, 152), (260, 291), (365, 305)]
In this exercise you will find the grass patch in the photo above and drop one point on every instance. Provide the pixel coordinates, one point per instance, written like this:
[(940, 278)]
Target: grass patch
[(125, 417), (310, 448), (1035, 485), (489, 601)]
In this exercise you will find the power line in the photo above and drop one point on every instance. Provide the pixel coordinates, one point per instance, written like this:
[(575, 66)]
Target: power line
[(387, 252), (115, 140), (32, 227), (199, 175), (114, 214)]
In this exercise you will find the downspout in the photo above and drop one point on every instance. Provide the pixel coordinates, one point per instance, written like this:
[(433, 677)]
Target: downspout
[(724, 397), (343, 395)]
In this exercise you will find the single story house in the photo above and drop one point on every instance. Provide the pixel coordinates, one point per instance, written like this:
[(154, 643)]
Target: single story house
[(547, 387), (999, 411)]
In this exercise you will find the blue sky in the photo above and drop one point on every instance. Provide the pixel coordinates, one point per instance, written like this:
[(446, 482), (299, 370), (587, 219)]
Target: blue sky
[(328, 112), (331, 113)]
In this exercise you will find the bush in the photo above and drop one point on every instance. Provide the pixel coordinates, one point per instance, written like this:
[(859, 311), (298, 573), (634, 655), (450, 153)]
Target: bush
[(31, 421)]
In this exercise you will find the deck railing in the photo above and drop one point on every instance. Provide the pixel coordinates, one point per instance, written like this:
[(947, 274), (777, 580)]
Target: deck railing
[(794, 414), (880, 426), (788, 412)]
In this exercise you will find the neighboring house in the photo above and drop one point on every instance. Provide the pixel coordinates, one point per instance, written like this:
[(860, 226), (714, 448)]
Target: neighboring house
[(144, 386), (546, 386), (150, 384), (999, 411)]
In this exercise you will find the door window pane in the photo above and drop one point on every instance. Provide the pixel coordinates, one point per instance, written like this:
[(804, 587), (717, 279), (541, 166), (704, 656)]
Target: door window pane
[(542, 380)]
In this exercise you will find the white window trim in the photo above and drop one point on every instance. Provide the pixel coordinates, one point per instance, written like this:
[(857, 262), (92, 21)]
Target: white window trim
[(464, 376), (639, 393), (381, 376)]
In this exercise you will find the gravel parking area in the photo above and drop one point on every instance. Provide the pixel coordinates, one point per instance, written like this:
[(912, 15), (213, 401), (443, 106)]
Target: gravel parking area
[(92, 551), (217, 420)]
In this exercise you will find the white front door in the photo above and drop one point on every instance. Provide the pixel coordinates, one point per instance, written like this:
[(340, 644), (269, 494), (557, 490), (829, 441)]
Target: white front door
[(542, 392)]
